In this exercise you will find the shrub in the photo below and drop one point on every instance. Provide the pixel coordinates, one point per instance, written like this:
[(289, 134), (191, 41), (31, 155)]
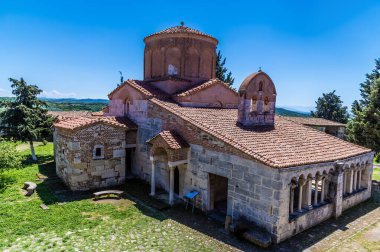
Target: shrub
[(9, 156)]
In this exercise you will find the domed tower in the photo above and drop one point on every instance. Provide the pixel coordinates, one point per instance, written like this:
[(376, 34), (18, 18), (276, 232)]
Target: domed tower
[(257, 100), (180, 51)]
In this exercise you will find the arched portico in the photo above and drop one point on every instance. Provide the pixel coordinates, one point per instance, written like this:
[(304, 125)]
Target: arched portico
[(171, 149)]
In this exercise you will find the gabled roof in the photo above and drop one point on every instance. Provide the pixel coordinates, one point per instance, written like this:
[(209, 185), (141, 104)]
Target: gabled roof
[(313, 121), (69, 114), (172, 139), (143, 87), (181, 29), (287, 144), (204, 86), (81, 122)]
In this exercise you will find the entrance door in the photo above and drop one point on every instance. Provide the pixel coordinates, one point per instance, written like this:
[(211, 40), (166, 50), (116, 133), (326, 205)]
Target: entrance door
[(218, 193), (176, 181), (128, 161)]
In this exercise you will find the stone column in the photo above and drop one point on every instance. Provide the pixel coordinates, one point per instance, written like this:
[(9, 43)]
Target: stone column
[(360, 180), (355, 180), (171, 188), (344, 183), (338, 184), (309, 190), (350, 184), (291, 203), (301, 182), (153, 178), (323, 189), (317, 178)]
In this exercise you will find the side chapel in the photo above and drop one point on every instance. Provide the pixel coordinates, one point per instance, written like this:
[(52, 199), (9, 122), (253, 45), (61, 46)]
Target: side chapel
[(181, 129)]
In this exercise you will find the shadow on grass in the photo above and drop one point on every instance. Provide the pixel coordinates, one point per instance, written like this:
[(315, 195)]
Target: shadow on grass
[(5, 181), (53, 190)]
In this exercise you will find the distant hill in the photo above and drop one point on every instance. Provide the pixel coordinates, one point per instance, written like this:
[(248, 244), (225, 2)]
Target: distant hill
[(69, 104), (74, 100), (287, 112)]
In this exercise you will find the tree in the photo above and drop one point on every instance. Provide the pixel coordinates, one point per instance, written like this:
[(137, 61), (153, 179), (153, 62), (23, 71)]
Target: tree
[(25, 118), (330, 107), (9, 157), (221, 70), (364, 128)]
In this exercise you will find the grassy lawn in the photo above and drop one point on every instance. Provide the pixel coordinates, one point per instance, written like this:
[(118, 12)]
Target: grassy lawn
[(376, 174), (80, 224)]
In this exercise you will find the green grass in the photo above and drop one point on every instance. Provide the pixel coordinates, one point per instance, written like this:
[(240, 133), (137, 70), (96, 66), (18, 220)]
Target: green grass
[(376, 174), (82, 224)]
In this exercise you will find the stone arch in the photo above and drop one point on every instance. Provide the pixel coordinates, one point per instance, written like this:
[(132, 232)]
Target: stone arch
[(192, 63), (206, 65), (173, 61), (156, 63)]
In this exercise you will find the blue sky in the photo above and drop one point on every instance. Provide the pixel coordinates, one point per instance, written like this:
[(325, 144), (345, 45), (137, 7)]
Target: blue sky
[(76, 48)]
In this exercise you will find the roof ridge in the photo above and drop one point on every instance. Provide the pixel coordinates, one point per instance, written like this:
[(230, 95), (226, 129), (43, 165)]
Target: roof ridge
[(204, 85)]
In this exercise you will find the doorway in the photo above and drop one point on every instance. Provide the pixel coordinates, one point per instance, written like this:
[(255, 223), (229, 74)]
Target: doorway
[(218, 192), (128, 161), (176, 180)]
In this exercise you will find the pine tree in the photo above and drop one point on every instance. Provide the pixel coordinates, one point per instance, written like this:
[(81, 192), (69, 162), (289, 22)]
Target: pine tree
[(221, 70), (364, 128), (25, 118), (330, 107)]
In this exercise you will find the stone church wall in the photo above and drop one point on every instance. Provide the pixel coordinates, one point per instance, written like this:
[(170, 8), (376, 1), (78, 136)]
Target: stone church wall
[(78, 167)]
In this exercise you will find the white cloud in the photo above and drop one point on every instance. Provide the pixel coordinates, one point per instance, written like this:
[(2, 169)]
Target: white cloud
[(57, 94), (4, 92)]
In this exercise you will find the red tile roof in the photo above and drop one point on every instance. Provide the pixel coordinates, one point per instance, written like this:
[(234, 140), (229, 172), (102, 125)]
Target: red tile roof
[(286, 144), (173, 140), (181, 30), (69, 114), (80, 122), (203, 86), (312, 121), (143, 87)]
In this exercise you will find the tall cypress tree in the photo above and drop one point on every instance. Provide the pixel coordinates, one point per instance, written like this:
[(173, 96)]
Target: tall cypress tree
[(364, 127), (25, 118), (221, 71)]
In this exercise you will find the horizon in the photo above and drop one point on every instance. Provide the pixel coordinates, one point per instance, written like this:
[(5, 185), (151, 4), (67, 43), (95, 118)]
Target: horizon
[(307, 49)]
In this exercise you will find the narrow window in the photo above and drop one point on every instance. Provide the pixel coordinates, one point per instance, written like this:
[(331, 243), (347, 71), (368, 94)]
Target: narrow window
[(261, 86), (98, 152)]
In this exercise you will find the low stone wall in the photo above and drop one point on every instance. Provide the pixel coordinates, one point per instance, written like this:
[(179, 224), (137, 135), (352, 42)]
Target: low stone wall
[(355, 198), (306, 220)]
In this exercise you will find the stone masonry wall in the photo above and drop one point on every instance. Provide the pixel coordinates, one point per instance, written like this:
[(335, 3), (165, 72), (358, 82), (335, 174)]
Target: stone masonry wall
[(76, 163)]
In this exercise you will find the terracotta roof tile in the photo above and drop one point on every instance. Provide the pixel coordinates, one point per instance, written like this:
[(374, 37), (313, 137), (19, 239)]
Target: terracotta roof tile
[(69, 114), (173, 140), (81, 122), (203, 86), (312, 121), (286, 144), (143, 87), (180, 30)]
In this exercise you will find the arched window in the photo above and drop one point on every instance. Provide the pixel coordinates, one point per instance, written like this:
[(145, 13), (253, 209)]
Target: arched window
[(261, 86)]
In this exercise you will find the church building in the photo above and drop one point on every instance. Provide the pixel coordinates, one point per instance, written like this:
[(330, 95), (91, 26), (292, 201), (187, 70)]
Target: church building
[(181, 129)]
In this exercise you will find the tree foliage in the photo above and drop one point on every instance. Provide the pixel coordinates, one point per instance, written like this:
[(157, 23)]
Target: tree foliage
[(222, 72), (10, 157), (330, 107), (25, 118), (364, 128)]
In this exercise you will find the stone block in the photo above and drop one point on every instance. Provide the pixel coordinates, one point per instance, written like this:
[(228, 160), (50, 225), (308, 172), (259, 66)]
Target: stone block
[(253, 179), (263, 191), (100, 168), (277, 185), (109, 173), (119, 153)]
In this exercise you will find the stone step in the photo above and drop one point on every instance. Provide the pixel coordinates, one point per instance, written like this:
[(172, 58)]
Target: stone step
[(258, 237)]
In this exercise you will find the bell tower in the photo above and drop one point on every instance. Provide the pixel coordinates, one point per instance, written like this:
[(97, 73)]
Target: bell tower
[(257, 100)]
